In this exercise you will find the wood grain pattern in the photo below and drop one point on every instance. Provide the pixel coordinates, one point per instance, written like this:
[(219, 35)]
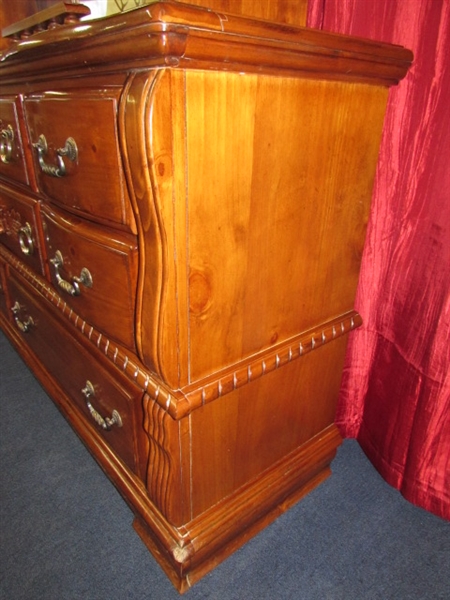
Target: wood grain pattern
[(11, 119), (88, 117), (239, 436), (219, 199), (180, 403), (271, 195), (108, 303), (184, 36), (289, 12), (241, 207)]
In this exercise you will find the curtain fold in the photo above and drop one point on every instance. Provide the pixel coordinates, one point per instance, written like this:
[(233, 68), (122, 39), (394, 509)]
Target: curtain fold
[(395, 396)]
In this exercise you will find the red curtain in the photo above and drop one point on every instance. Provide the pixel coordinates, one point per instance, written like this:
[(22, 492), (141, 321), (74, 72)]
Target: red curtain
[(395, 396)]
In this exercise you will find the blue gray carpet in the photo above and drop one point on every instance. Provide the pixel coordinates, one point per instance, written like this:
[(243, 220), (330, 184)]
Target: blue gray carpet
[(66, 533)]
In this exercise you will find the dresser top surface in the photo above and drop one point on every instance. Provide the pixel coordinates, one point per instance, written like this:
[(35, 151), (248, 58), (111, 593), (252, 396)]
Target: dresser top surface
[(169, 34)]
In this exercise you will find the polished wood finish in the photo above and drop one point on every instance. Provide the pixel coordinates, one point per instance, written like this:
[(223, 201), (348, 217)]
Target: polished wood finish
[(108, 300), (289, 12), (88, 117), (13, 11), (58, 348), (4, 301), (20, 228), (63, 13), (12, 126), (218, 197)]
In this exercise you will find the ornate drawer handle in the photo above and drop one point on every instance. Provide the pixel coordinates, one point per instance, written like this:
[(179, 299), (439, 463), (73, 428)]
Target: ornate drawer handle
[(105, 423), (26, 239), (6, 144), (24, 326), (70, 150), (70, 288)]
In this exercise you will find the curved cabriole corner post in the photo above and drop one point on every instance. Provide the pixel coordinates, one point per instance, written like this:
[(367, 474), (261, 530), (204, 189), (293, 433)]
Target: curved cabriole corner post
[(134, 115), (146, 121)]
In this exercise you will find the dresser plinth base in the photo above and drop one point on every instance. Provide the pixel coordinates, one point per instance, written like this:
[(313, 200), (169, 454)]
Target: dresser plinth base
[(190, 551), (210, 538)]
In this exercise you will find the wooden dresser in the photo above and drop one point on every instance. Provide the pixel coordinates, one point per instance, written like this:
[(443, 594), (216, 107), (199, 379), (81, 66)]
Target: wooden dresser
[(183, 203)]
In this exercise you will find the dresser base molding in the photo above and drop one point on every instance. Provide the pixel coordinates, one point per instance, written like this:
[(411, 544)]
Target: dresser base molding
[(191, 575), (216, 534), (187, 553)]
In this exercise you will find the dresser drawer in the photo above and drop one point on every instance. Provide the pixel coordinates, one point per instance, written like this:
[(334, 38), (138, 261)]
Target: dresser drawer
[(12, 158), (3, 290), (111, 402), (20, 227), (95, 274), (76, 153)]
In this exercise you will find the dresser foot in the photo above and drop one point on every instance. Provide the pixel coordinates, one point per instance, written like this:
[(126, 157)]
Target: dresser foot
[(203, 543)]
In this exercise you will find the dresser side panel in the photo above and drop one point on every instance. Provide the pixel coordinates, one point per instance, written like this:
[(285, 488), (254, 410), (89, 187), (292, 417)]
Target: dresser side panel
[(280, 174)]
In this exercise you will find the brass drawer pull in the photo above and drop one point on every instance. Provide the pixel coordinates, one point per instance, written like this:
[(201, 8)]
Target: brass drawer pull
[(6, 144), (70, 150), (25, 239), (70, 288), (105, 423), (24, 326)]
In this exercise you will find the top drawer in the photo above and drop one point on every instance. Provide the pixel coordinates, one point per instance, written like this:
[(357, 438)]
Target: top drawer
[(76, 153), (12, 158)]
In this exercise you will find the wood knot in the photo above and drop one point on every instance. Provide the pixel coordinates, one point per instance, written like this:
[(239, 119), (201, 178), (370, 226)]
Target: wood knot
[(200, 292)]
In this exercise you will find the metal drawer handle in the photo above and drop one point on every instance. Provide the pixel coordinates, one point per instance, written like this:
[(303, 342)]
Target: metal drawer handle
[(6, 144), (70, 150), (26, 239), (105, 423), (70, 288), (24, 326)]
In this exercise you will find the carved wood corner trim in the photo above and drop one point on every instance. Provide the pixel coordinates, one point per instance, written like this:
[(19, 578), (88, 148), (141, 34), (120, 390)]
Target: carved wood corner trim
[(221, 384)]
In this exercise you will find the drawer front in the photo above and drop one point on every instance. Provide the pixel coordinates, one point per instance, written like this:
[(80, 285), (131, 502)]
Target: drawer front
[(96, 275), (76, 153), (111, 403), (3, 290), (20, 227), (12, 159)]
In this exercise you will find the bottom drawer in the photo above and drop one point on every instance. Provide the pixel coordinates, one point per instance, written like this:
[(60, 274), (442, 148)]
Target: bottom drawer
[(107, 399), (3, 298)]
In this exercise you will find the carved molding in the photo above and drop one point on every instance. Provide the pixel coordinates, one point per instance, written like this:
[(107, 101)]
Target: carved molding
[(10, 221), (160, 467), (273, 359)]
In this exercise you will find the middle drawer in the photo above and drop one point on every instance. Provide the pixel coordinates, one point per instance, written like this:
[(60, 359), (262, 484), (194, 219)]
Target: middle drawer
[(94, 271)]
